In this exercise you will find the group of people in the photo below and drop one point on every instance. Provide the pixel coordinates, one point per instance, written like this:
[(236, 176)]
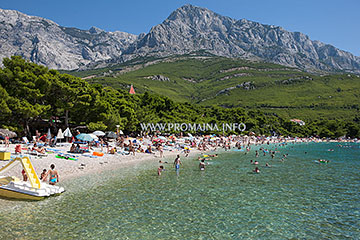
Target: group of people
[(241, 143), (177, 163), (52, 173), (76, 148)]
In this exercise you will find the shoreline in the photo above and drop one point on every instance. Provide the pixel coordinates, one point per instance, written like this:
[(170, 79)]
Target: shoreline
[(85, 165)]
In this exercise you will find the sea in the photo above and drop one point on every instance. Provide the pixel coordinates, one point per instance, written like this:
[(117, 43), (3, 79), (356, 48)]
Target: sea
[(296, 198)]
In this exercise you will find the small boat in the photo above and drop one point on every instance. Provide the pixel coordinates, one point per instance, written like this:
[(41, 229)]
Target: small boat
[(14, 188)]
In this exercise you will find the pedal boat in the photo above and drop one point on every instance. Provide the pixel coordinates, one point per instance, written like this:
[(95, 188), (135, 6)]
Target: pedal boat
[(14, 188)]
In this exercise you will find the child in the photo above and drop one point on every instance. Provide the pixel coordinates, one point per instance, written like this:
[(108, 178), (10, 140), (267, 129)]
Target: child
[(25, 178), (160, 169), (42, 175)]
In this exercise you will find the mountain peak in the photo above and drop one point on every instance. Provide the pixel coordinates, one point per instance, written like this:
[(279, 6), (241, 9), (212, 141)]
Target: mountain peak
[(95, 30), (187, 29), (191, 11)]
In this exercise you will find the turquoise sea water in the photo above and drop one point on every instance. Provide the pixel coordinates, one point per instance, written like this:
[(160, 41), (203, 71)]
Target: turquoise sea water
[(294, 199)]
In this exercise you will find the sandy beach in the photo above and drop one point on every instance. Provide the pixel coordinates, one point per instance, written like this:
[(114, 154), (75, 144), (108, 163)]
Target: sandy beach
[(69, 169)]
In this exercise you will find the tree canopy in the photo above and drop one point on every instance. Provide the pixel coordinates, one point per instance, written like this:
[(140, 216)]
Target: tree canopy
[(29, 92)]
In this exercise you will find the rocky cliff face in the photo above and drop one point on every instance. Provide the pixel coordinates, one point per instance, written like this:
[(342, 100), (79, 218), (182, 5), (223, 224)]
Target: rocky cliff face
[(191, 28), (45, 42), (187, 29)]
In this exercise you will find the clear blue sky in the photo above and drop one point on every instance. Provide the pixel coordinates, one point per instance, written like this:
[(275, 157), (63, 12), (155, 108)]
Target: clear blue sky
[(336, 22)]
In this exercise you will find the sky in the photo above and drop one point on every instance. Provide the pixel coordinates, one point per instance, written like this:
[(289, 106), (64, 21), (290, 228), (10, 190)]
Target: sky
[(336, 22)]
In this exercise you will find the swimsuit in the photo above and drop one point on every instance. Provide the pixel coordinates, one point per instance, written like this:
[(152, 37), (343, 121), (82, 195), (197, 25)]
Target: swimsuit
[(53, 179)]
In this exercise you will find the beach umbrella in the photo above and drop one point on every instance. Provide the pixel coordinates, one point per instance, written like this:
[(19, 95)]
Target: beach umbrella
[(85, 137), (7, 133), (99, 133), (121, 132), (111, 135), (162, 138), (67, 133), (94, 136), (60, 134)]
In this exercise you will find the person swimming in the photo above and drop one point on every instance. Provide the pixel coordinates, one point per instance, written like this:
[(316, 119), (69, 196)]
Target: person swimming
[(256, 170), (323, 161)]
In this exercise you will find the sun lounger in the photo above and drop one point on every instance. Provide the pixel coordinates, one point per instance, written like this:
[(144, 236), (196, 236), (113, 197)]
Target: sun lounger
[(123, 152), (36, 153), (53, 149), (26, 141)]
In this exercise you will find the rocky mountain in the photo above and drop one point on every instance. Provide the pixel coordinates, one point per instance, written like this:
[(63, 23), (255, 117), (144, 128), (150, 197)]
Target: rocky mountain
[(191, 28), (186, 30), (45, 42)]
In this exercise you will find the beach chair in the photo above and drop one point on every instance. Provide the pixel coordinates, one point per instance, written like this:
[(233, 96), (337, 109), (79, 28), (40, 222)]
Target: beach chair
[(53, 143), (25, 140), (36, 153)]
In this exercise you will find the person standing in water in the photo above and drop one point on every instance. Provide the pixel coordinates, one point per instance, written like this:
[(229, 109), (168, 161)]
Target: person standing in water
[(202, 164), (54, 176), (160, 169), (177, 162)]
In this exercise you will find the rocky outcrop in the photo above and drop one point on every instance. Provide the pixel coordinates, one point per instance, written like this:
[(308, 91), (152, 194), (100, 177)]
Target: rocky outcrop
[(234, 76), (244, 85), (160, 78)]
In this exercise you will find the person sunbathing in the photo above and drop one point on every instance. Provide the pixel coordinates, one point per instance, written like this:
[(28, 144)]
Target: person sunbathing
[(73, 148), (112, 150), (41, 150), (34, 148), (140, 149), (148, 150), (38, 149)]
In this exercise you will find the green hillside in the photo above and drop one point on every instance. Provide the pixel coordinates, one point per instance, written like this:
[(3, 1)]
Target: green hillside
[(210, 80)]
